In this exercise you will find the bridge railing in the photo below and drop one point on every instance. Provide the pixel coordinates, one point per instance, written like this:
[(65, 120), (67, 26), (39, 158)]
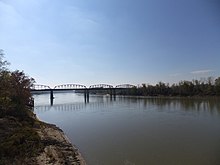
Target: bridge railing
[(125, 86), (70, 86), (106, 86), (79, 86), (40, 87)]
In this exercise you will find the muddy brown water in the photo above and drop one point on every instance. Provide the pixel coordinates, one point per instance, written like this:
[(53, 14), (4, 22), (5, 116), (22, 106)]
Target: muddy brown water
[(132, 131)]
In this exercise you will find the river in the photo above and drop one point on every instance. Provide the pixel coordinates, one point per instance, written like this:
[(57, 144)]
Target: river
[(132, 131)]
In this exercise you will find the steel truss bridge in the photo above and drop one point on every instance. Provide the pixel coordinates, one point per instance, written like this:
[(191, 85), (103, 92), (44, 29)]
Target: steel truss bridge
[(112, 91)]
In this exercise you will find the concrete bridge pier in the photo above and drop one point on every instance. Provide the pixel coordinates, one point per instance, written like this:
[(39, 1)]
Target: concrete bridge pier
[(86, 95), (51, 97), (113, 94)]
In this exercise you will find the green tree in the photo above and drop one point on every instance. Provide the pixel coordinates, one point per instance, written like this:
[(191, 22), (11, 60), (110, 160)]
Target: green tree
[(15, 92), (217, 86), (144, 90), (133, 91), (3, 63), (21, 88), (5, 94), (4, 84)]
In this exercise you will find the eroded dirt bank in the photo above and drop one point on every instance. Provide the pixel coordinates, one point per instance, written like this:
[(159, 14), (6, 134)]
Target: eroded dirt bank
[(32, 142), (58, 149)]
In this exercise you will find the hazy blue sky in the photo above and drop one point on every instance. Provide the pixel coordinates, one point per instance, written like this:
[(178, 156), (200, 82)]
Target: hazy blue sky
[(111, 41)]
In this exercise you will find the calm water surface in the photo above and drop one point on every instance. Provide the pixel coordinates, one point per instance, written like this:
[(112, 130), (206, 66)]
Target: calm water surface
[(131, 131)]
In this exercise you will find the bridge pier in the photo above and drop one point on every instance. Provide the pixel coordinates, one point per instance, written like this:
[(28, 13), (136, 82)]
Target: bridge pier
[(87, 91), (51, 97), (86, 95), (51, 94), (51, 102), (113, 94)]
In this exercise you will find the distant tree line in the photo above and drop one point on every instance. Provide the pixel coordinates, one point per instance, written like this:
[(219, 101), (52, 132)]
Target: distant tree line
[(15, 93), (204, 87)]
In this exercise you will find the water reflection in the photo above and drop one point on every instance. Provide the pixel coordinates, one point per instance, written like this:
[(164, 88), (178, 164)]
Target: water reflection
[(211, 105), (71, 107), (187, 104), (59, 107)]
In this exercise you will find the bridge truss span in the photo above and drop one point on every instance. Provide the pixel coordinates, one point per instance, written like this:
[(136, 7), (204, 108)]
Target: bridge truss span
[(125, 86), (93, 89), (70, 86), (105, 86), (40, 87)]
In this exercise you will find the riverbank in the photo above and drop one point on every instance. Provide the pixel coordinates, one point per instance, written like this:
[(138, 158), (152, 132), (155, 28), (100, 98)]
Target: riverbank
[(168, 97), (34, 142), (58, 149)]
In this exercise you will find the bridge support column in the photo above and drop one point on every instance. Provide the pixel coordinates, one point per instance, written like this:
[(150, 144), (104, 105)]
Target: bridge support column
[(114, 94), (51, 97), (86, 95), (111, 92)]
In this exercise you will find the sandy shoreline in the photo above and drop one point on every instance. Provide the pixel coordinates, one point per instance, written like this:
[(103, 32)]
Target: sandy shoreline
[(58, 149), (33, 142)]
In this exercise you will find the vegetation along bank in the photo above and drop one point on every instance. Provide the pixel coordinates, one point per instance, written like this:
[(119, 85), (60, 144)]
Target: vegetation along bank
[(23, 138)]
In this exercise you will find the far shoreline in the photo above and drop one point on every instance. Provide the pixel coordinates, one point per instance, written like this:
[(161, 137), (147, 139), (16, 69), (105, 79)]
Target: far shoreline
[(169, 97)]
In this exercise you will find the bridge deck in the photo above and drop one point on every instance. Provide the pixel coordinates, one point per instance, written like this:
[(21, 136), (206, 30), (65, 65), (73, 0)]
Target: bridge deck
[(77, 89)]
